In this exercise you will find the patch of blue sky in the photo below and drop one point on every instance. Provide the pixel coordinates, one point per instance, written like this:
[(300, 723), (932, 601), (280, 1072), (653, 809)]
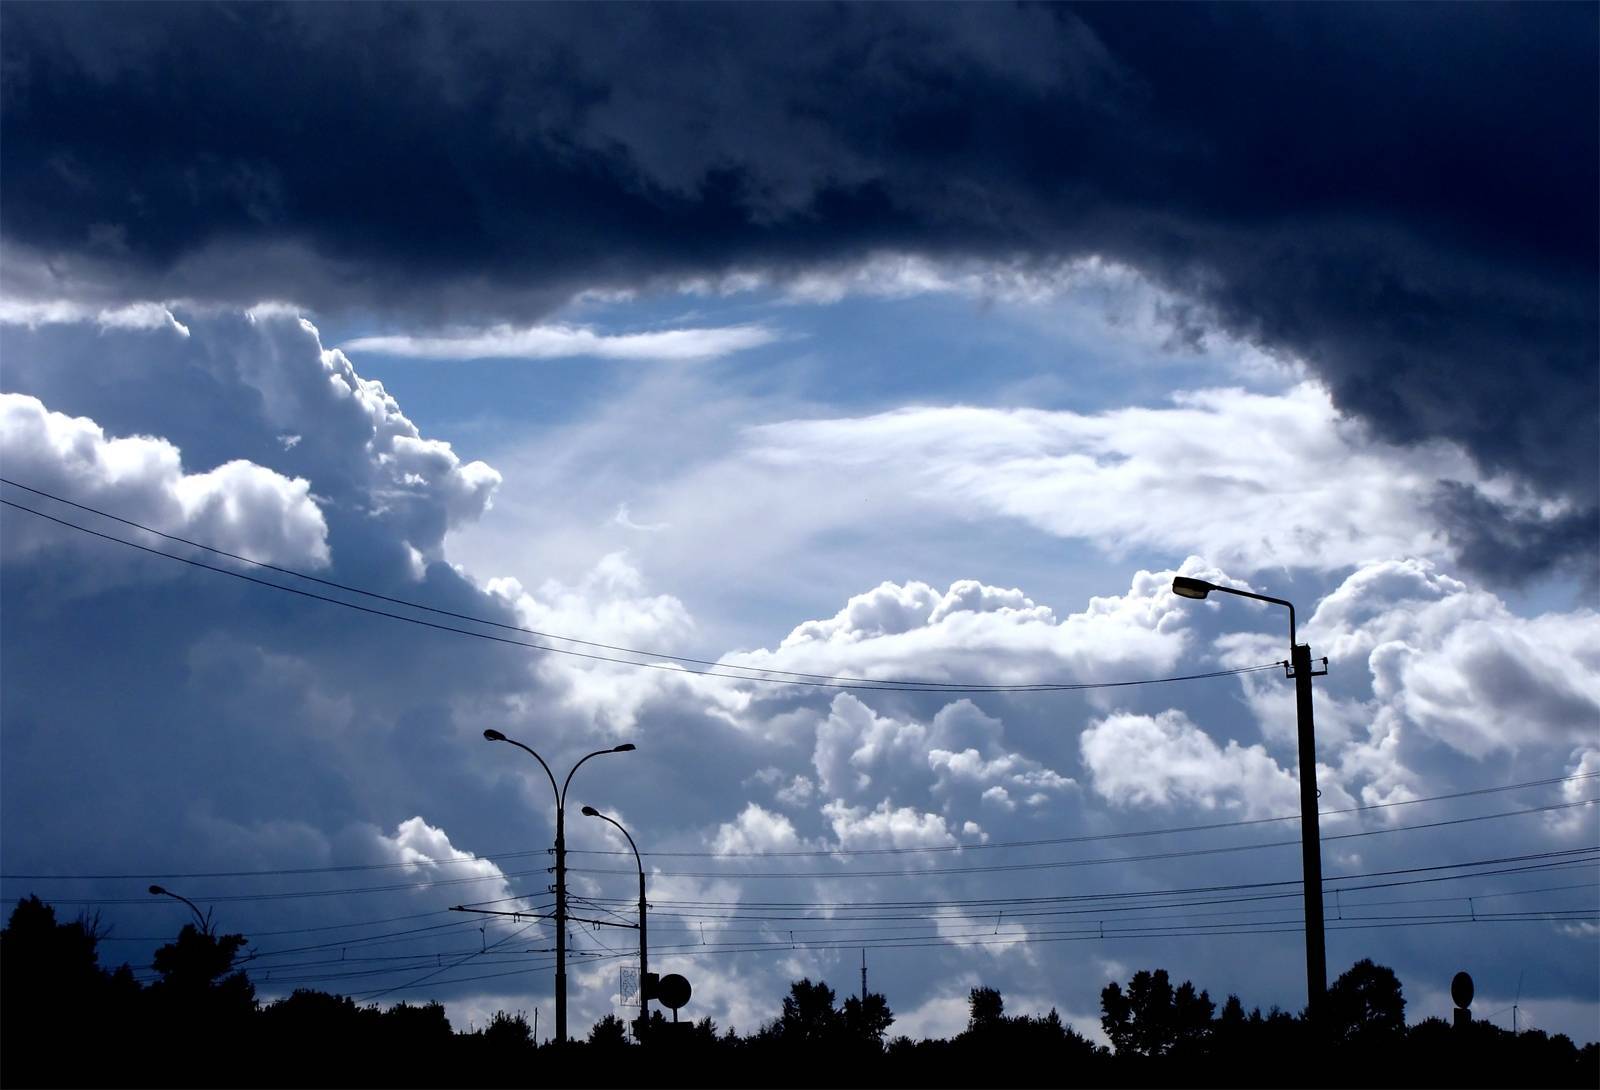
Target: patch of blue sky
[(857, 355)]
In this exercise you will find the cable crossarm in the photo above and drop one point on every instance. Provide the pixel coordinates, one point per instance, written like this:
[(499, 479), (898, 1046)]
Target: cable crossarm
[(677, 664), (540, 916), (429, 976)]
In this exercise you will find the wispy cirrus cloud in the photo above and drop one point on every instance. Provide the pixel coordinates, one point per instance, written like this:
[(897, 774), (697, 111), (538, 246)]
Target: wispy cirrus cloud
[(561, 341), (139, 315), (1308, 487)]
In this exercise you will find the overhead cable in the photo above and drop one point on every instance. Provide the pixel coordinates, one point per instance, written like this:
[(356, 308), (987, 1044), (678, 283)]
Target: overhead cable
[(495, 857), (698, 667)]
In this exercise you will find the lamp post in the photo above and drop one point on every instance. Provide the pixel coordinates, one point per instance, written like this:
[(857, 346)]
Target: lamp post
[(1310, 835), (561, 868), (644, 945), (205, 926)]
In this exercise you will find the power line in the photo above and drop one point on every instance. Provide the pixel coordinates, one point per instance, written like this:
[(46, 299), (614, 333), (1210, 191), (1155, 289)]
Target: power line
[(495, 857), (418, 605), (715, 669), (1198, 931), (1101, 912), (286, 931), (1099, 861), (844, 937), (1096, 909), (847, 937), (1531, 861), (453, 965), (299, 893), (1088, 838), (1086, 935), (926, 873), (838, 925)]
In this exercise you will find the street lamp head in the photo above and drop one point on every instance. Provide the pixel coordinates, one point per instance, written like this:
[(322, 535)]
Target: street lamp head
[(1184, 587), (590, 811), (493, 735), (626, 747), (158, 891)]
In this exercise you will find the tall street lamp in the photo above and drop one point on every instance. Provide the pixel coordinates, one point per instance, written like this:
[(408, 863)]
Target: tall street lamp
[(561, 868), (204, 924), (644, 946), (1310, 836)]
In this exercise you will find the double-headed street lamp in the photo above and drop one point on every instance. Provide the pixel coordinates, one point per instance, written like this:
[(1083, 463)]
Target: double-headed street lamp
[(561, 868), (1310, 836), (644, 945)]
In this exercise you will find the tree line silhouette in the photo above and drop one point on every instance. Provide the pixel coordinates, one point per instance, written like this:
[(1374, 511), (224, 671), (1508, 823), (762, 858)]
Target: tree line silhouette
[(67, 1021)]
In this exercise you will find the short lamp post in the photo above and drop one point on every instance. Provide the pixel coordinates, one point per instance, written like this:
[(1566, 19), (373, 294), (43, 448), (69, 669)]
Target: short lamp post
[(644, 945), (1310, 835), (561, 868)]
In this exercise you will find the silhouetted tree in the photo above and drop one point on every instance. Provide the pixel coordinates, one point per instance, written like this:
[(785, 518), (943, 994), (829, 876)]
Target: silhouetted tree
[(867, 1022), (609, 1034), (1191, 1019), (508, 1036), (419, 1027), (198, 980), (809, 1016), (51, 987), (204, 1029), (985, 1009), (1366, 1004), (1150, 1019)]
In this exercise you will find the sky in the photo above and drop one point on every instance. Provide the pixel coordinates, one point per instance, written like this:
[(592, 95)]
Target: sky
[(822, 399)]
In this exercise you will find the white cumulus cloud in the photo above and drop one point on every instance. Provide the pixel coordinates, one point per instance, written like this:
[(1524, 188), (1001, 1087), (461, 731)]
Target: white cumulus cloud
[(238, 506), (990, 634), (1166, 760), (886, 826), (1454, 662)]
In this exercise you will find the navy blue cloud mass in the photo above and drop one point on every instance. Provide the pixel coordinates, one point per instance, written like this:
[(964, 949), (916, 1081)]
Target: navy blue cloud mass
[(1403, 195)]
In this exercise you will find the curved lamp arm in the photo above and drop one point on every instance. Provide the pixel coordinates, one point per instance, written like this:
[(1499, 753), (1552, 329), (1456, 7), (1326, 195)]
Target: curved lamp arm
[(1186, 587), (561, 799), (590, 811), (495, 736), (159, 891)]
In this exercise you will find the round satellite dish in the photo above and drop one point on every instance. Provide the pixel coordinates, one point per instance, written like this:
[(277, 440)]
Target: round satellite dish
[(673, 991), (1461, 989)]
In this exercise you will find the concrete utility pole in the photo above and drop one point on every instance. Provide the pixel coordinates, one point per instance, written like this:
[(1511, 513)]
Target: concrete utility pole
[(1310, 832), (863, 980), (561, 868)]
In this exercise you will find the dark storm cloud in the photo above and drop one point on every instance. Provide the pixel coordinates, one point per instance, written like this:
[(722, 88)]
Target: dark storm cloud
[(1404, 195), (1497, 542)]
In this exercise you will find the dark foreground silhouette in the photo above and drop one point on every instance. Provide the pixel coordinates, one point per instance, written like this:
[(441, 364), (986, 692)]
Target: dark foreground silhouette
[(65, 1021)]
